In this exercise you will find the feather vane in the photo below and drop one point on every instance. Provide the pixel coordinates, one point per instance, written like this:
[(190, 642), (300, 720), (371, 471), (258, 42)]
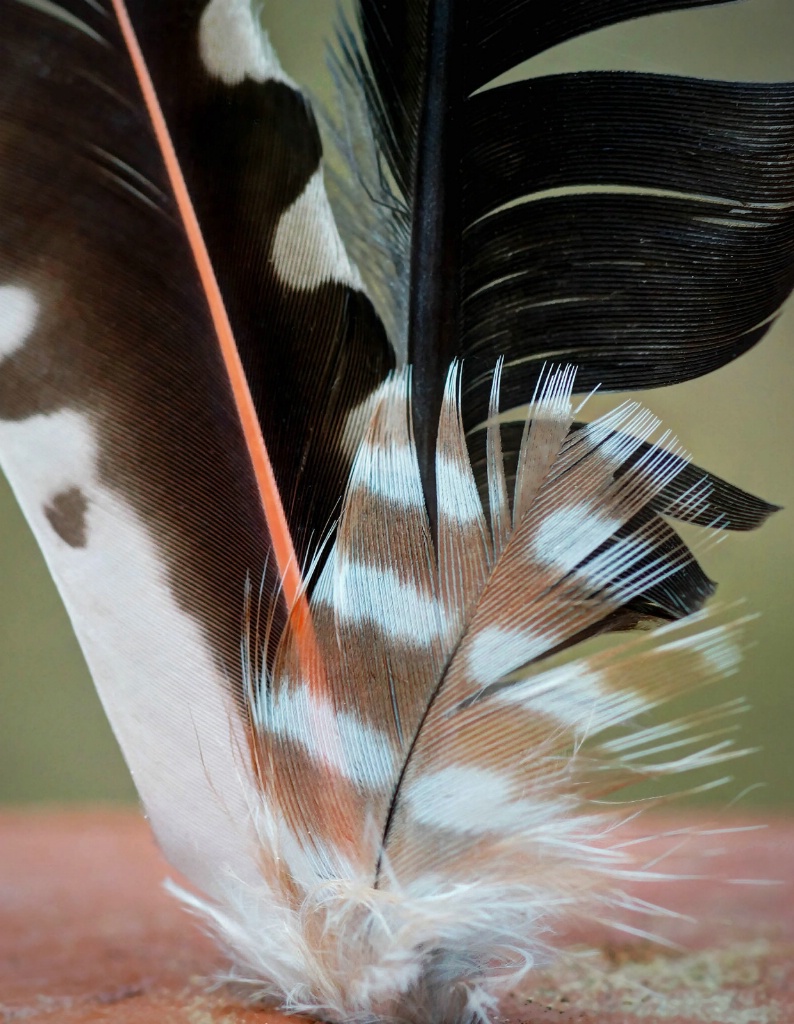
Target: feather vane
[(475, 830)]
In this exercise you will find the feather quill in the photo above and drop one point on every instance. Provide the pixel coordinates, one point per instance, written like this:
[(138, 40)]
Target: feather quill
[(390, 800)]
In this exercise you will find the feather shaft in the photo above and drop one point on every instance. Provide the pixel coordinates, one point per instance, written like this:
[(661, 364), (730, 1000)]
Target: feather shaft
[(434, 311)]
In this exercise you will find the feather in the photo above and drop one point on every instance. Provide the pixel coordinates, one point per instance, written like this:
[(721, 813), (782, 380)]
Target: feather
[(457, 828), (512, 201), (328, 602)]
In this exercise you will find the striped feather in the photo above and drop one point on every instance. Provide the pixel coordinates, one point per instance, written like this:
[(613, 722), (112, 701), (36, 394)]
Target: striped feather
[(459, 806)]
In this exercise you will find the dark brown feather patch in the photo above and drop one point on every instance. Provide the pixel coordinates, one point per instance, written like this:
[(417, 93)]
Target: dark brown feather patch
[(67, 516)]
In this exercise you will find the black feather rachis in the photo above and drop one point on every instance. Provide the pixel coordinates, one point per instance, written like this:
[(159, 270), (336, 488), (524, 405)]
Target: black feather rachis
[(600, 218)]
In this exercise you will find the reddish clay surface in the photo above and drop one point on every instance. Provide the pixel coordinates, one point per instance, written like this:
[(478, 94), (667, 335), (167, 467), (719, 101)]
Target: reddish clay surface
[(88, 935)]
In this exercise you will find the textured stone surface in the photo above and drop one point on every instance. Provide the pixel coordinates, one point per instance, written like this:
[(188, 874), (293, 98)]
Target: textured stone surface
[(88, 935)]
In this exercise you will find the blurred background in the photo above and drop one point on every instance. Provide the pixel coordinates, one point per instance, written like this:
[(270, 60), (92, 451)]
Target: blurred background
[(55, 744)]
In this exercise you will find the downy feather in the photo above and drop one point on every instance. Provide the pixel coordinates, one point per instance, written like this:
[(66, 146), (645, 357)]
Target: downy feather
[(456, 831)]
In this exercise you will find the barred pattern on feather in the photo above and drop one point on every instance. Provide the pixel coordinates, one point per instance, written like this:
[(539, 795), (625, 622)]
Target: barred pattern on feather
[(421, 835), (393, 797)]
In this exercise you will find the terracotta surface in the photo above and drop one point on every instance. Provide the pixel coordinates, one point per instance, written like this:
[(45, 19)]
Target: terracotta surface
[(88, 935)]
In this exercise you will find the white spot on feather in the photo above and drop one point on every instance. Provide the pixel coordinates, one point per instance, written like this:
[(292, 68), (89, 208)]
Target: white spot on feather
[(575, 697), (717, 648), (622, 559), (18, 313), (722, 658), (568, 535), (472, 800), (389, 474), (339, 739), (163, 692), (619, 433), (307, 249), (368, 594), (234, 46), (566, 696), (458, 498), (496, 651)]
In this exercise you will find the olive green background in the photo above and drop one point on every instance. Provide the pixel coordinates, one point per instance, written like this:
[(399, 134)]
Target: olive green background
[(55, 744)]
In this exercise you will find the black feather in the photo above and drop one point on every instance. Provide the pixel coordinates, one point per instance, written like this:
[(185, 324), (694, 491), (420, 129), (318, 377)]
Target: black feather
[(669, 251)]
